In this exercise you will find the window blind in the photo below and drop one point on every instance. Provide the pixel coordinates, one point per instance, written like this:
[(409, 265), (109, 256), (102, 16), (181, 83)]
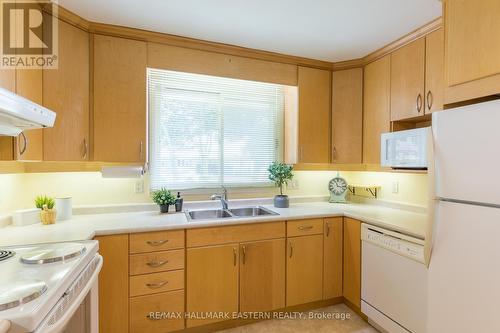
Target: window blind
[(207, 131)]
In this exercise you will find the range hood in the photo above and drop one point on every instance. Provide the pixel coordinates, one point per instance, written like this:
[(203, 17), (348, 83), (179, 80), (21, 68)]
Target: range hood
[(18, 114)]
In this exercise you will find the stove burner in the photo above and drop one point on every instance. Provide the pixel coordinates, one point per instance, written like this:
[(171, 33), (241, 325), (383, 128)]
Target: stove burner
[(51, 253), (5, 254), (20, 292)]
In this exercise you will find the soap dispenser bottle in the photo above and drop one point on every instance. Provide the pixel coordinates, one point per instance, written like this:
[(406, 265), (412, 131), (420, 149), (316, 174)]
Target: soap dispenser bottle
[(178, 202)]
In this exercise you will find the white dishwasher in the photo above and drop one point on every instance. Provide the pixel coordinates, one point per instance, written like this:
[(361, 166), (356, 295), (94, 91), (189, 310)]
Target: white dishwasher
[(393, 280)]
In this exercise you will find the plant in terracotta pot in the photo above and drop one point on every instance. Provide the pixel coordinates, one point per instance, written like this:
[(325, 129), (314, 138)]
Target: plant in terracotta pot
[(163, 198), (47, 211), (280, 173)]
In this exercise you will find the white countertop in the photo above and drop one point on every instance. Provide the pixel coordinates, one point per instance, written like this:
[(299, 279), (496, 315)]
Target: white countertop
[(83, 227)]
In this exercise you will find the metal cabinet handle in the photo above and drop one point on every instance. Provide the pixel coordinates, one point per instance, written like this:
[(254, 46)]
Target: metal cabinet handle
[(327, 229), (430, 99), (305, 227), (334, 153), (235, 257), (86, 148), (155, 264), (156, 285), (291, 249), (301, 154), (25, 146), (157, 243), (140, 151), (244, 256), (419, 103)]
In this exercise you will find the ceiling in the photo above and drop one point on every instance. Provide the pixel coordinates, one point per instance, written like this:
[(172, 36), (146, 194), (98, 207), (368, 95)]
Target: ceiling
[(331, 30)]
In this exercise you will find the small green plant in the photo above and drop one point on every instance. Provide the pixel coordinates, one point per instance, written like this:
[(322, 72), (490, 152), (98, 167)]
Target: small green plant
[(280, 173), (43, 200), (163, 197)]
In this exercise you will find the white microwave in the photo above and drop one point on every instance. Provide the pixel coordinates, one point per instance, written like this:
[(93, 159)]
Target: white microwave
[(405, 149)]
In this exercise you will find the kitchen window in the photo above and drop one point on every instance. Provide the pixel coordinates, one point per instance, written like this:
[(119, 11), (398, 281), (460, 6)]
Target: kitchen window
[(207, 131)]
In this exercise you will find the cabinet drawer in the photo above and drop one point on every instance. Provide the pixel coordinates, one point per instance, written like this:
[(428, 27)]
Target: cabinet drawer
[(156, 262), (156, 283), (234, 234), (304, 227), (156, 241), (171, 303)]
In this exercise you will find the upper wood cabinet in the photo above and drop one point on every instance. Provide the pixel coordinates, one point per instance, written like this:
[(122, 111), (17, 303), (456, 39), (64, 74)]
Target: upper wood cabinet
[(119, 99), (66, 91), (262, 275), (211, 281), (352, 261), (332, 257), (376, 113), (304, 269), (347, 115), (314, 115), (408, 81), (7, 81), (434, 71), (472, 50)]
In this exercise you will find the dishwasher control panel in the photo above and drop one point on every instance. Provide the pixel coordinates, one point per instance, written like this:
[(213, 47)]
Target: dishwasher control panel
[(399, 243)]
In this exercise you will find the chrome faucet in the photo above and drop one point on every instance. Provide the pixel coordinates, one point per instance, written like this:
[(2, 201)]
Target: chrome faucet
[(222, 197)]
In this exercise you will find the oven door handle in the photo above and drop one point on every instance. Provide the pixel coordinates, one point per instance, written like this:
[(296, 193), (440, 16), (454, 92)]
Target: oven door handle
[(64, 319)]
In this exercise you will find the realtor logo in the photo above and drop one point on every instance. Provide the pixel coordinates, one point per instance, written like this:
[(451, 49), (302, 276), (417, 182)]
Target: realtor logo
[(29, 36)]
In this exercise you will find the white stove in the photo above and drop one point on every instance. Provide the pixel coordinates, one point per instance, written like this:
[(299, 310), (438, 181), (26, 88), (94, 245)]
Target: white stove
[(43, 286)]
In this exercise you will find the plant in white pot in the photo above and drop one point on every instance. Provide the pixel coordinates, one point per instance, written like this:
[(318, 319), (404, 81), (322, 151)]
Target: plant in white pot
[(163, 198), (280, 173)]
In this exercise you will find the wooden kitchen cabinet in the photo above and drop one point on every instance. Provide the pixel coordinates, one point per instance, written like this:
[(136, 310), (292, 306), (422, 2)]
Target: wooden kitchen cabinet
[(262, 275), (119, 99), (472, 51), (332, 257), (314, 115), (408, 81), (434, 71), (376, 101), (304, 271), (352, 261), (114, 284), (347, 116), (212, 281), (66, 92), (7, 81)]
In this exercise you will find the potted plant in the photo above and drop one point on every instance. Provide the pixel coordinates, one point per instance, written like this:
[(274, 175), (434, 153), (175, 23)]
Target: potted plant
[(163, 198), (280, 173), (47, 211)]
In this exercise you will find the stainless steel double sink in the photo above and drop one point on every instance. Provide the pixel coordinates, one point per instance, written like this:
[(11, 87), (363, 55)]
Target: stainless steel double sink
[(253, 211)]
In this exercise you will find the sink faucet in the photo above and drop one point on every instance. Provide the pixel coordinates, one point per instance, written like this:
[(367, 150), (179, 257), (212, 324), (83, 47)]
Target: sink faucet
[(222, 197)]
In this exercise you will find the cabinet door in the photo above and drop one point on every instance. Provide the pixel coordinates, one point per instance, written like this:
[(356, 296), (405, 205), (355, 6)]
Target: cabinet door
[(29, 145), (376, 114), (352, 261), (119, 99), (7, 81), (304, 270), (314, 115), (211, 282), (262, 275), (434, 71), (407, 81), (347, 115), (114, 284), (66, 91), (332, 256)]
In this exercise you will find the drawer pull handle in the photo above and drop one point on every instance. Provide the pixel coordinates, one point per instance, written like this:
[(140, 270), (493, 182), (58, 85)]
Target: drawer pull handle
[(157, 243), (305, 227), (155, 264), (156, 285)]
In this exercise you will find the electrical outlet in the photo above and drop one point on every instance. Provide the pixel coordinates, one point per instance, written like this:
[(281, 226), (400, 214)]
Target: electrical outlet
[(294, 184), (139, 186), (395, 186)]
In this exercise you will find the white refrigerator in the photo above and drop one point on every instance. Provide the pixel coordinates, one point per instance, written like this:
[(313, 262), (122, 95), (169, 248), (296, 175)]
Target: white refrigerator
[(464, 268)]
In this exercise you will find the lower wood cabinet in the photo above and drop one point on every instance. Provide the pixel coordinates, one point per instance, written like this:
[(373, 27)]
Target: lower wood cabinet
[(332, 257), (157, 313), (304, 270), (352, 261), (211, 282), (262, 275)]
